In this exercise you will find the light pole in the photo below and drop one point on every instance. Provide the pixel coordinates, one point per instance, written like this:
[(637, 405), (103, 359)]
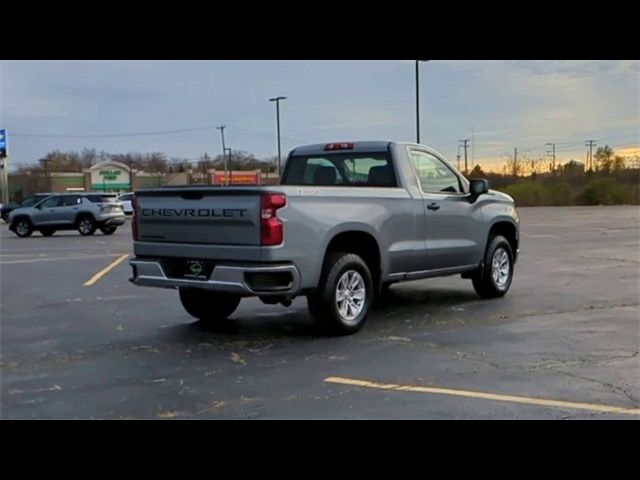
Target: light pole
[(418, 99), (228, 150), (277, 100), (224, 156)]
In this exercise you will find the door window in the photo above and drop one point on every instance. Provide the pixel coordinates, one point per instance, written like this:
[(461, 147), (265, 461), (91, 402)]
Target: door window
[(70, 200), (52, 202), (434, 175)]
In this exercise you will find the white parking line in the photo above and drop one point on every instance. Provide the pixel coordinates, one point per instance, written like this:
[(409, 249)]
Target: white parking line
[(55, 259)]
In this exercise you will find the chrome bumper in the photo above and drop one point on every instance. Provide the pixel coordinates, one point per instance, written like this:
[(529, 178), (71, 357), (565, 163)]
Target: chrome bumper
[(224, 278)]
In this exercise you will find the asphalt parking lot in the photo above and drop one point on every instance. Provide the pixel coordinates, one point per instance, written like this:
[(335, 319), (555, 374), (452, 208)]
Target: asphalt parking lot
[(81, 342)]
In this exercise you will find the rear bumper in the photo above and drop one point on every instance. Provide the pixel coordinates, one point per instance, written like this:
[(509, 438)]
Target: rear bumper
[(236, 278), (112, 221)]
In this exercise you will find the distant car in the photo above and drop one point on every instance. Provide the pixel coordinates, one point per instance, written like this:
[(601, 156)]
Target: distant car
[(125, 200), (85, 212), (27, 202)]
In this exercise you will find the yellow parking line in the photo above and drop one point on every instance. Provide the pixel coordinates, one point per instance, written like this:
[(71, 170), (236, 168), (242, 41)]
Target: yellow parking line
[(105, 270), (485, 396)]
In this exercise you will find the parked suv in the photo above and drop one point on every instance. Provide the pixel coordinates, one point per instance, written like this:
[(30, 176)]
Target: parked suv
[(85, 212), (27, 202), (125, 200)]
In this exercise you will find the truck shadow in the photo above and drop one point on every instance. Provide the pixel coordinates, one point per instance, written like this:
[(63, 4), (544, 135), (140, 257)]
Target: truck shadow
[(397, 305)]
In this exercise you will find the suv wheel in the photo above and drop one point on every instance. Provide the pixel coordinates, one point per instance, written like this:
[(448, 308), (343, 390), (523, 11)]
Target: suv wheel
[(22, 227), (206, 305), (494, 279), (344, 297), (86, 225)]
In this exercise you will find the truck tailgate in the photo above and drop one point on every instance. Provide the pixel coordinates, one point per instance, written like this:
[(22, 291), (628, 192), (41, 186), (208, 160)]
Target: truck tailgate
[(213, 215)]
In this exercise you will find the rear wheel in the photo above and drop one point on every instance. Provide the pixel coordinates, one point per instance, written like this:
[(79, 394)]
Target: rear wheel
[(206, 305), (494, 279), (108, 230), (344, 297), (47, 232), (22, 227), (86, 225)]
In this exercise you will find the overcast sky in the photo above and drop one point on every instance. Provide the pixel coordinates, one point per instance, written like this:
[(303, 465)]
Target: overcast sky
[(508, 104)]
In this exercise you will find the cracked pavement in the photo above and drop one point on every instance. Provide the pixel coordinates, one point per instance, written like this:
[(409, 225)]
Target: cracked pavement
[(568, 330)]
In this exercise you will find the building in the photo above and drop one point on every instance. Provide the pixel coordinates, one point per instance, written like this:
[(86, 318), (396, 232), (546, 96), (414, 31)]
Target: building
[(116, 177)]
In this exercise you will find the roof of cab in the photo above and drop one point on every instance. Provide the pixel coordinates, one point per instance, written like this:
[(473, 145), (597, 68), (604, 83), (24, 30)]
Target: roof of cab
[(365, 146)]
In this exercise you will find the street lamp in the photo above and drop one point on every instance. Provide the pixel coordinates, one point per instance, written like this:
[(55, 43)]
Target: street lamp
[(277, 100), (230, 180), (418, 100)]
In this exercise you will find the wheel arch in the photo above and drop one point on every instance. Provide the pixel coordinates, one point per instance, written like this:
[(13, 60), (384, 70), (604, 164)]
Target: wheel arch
[(509, 230), (359, 242)]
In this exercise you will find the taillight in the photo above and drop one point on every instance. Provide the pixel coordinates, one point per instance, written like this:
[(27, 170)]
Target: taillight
[(134, 218), (271, 228)]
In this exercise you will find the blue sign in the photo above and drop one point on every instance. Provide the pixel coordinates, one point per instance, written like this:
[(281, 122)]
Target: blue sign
[(4, 143)]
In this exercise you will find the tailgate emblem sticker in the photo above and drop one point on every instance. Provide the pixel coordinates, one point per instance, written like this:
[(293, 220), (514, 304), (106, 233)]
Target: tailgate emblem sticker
[(196, 268)]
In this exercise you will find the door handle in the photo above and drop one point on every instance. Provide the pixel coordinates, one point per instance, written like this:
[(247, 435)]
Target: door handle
[(433, 206)]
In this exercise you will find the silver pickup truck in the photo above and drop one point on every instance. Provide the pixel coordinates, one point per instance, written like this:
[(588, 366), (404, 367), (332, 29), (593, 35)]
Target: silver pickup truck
[(346, 221)]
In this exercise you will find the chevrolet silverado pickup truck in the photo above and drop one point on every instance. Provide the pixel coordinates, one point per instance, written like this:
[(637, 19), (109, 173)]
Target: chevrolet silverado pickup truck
[(346, 221)]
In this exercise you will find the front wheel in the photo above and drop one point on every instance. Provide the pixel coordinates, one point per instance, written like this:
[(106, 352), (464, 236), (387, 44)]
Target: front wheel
[(494, 279), (344, 297), (108, 230), (22, 227), (206, 305)]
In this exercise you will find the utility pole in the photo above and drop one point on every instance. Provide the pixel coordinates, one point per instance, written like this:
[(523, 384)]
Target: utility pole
[(224, 154), (458, 157), (590, 144), (553, 156), (465, 144), (515, 162), (277, 100)]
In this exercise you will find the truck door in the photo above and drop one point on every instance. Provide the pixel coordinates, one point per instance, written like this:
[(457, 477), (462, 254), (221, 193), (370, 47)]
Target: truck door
[(451, 222)]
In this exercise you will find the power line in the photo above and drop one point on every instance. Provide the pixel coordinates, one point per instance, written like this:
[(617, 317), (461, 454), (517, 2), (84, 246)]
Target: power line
[(114, 135)]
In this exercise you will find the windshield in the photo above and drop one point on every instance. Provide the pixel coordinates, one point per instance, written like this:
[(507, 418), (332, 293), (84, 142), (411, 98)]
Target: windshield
[(342, 169)]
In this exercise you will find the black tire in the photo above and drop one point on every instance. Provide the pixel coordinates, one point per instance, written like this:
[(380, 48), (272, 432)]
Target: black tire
[(108, 230), (47, 232), (208, 306), (22, 227), (86, 225), (323, 303), (484, 282)]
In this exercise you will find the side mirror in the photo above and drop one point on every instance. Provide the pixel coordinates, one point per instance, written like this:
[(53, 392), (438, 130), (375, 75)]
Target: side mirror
[(478, 186)]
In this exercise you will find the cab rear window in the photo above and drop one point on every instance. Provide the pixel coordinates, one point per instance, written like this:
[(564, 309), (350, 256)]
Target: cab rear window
[(341, 169)]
